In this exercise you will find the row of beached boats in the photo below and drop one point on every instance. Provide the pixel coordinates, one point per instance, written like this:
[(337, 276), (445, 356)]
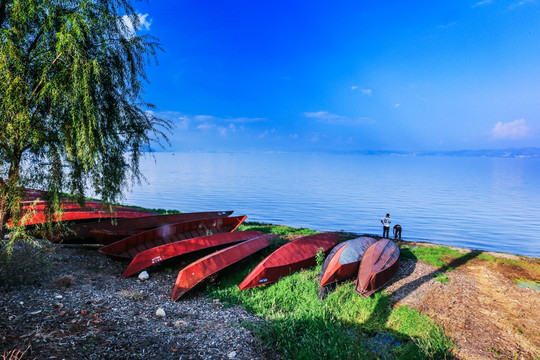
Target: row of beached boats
[(147, 239)]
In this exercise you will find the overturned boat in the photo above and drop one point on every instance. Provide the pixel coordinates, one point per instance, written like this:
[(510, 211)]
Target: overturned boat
[(293, 256), (379, 264), (199, 270), (129, 247), (107, 232), (84, 215), (344, 260), (161, 253)]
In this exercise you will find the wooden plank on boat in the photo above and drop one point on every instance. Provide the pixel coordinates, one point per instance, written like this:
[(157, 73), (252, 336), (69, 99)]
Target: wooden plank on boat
[(199, 270), (344, 260), (81, 215), (293, 256), (378, 266), (161, 253), (129, 247), (107, 232)]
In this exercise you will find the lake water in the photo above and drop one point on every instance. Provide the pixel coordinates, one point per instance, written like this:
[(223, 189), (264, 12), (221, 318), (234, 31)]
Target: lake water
[(473, 202)]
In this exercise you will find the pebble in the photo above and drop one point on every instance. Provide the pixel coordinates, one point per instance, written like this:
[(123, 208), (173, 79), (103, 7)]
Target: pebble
[(144, 276), (160, 313), (231, 355), (58, 297)]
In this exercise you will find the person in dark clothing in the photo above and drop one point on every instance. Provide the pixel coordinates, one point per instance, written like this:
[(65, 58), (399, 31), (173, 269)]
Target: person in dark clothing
[(386, 225), (397, 232)]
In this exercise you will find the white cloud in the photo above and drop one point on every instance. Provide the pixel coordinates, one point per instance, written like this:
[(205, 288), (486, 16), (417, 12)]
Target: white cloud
[(482, 3), (334, 119), (513, 130), (520, 3), (211, 118), (143, 24), (397, 105), (447, 26), (266, 133), (221, 130), (209, 123), (367, 92), (206, 127), (182, 123), (324, 115), (245, 120)]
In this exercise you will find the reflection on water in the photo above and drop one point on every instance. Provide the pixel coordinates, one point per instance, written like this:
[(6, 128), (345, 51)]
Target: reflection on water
[(481, 203)]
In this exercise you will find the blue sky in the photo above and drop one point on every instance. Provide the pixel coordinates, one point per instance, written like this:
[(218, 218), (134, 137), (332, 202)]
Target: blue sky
[(346, 75)]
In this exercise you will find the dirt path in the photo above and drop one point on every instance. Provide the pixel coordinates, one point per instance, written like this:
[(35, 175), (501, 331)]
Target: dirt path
[(484, 312)]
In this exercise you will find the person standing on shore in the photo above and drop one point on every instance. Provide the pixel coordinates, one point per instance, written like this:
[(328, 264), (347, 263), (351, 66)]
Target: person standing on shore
[(386, 226), (397, 232)]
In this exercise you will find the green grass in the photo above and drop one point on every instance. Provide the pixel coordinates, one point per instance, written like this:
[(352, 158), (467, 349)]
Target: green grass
[(279, 230), (442, 278), (344, 325), (438, 256)]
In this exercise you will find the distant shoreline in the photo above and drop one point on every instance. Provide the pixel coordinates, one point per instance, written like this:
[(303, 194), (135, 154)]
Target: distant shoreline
[(494, 153)]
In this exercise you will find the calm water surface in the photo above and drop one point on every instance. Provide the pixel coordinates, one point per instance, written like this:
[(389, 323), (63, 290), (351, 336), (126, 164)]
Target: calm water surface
[(479, 203)]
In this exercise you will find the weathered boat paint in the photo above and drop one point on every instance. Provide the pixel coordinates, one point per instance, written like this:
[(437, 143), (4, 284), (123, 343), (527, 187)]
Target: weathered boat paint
[(199, 270), (344, 260), (293, 256), (379, 265), (161, 253), (129, 247), (107, 232)]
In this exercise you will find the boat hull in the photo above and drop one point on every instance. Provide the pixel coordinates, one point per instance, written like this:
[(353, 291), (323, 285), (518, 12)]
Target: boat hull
[(85, 215), (161, 253), (108, 232), (293, 256), (379, 265), (344, 260), (199, 270), (129, 247)]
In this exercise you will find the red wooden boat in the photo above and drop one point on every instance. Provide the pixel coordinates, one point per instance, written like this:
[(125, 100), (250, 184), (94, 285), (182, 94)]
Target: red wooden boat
[(89, 205), (293, 256), (199, 270), (344, 260), (129, 247), (379, 265), (85, 214), (161, 253), (39, 205), (107, 232), (33, 194)]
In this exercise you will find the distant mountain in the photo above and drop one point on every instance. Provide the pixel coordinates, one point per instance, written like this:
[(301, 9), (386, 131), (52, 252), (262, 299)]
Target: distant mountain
[(502, 153), (509, 153)]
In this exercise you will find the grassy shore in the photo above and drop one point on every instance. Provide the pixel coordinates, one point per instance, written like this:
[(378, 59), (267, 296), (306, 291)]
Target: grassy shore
[(342, 326), (300, 325)]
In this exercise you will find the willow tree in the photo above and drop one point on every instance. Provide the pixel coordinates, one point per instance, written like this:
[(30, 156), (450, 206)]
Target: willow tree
[(71, 113)]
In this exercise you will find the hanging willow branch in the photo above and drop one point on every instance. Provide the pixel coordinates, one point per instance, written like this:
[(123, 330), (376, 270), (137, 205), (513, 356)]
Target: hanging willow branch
[(71, 80)]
